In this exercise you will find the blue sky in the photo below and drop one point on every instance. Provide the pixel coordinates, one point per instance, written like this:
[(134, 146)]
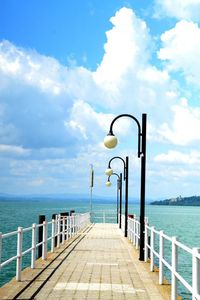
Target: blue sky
[(68, 68)]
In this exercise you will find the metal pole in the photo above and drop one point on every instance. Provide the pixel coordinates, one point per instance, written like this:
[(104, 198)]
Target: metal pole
[(91, 187), (120, 202), (117, 200), (56, 238), (40, 234), (126, 200), (142, 195)]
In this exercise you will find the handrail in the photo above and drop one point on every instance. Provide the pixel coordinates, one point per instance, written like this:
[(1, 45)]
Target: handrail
[(104, 215), (63, 228), (151, 252)]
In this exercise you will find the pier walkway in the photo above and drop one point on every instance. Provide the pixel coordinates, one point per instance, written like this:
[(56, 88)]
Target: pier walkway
[(98, 263)]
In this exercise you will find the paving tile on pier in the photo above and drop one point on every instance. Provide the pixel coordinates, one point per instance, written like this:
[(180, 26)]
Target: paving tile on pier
[(100, 267)]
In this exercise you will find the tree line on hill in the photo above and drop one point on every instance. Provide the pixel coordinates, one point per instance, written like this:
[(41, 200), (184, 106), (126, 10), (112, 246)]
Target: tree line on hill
[(183, 201)]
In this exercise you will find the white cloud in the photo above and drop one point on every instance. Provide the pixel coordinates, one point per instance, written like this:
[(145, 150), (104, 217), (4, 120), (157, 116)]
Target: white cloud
[(61, 114), (185, 126), (42, 72), (177, 157), (181, 48), (179, 9), (126, 48), (36, 182), (15, 150), (88, 124)]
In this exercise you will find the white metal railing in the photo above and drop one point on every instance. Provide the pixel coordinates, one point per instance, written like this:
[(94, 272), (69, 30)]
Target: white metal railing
[(57, 231), (156, 250), (101, 216)]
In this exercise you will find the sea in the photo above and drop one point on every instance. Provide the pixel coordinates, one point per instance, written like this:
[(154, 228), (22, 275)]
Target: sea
[(180, 221)]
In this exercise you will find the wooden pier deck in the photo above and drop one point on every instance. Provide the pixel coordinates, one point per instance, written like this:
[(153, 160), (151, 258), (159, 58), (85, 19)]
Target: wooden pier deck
[(98, 263)]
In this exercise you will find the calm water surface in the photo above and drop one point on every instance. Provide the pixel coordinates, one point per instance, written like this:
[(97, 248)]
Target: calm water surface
[(182, 222)]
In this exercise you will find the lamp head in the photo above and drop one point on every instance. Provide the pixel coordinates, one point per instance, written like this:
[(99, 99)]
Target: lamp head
[(109, 172), (108, 183), (110, 141)]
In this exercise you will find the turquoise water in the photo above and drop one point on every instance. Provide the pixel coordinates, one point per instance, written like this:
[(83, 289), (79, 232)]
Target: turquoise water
[(182, 222)]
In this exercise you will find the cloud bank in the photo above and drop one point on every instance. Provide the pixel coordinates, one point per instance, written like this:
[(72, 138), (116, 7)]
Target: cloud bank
[(54, 117)]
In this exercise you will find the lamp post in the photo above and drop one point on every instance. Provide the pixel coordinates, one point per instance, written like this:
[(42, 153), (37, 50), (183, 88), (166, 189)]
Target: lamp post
[(91, 187), (119, 191), (110, 141), (109, 172)]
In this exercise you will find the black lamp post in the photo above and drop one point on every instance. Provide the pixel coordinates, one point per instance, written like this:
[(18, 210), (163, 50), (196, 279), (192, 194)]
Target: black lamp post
[(109, 172), (110, 141), (119, 192)]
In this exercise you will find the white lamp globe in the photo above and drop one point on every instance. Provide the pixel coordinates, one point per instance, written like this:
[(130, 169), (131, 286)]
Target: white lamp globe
[(109, 172), (108, 183), (110, 141)]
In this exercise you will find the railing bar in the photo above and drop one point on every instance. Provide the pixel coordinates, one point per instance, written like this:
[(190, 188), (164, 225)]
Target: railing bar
[(183, 281), (39, 225), (27, 251), (9, 234), (166, 237), (167, 264), (39, 244), (186, 248), (156, 231), (27, 229), (156, 253), (8, 261)]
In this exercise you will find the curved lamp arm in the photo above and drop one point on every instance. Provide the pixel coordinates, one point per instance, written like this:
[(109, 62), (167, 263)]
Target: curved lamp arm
[(118, 180), (118, 157), (139, 129), (112, 175)]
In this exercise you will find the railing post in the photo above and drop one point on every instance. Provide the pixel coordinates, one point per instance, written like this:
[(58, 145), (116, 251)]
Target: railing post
[(68, 218), (134, 230), (137, 235), (146, 243), (44, 244), (0, 248), (72, 212), (40, 234), (174, 282), (70, 226), (58, 231), (195, 273), (128, 228), (152, 249), (161, 255), (19, 253), (52, 235), (33, 251), (63, 230), (78, 222), (131, 229), (73, 226)]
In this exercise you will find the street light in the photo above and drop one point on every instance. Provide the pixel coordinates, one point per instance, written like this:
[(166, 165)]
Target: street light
[(110, 141), (119, 191), (91, 186), (108, 183), (110, 171)]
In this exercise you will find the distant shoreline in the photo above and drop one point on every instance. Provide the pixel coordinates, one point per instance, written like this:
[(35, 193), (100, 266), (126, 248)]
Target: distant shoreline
[(179, 201)]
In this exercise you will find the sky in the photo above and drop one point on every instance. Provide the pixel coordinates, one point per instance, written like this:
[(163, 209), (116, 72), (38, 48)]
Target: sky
[(67, 68)]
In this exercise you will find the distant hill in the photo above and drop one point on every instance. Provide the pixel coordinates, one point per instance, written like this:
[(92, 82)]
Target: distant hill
[(65, 197), (182, 201)]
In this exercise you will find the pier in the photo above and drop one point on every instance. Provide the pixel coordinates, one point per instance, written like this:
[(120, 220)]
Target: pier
[(85, 260), (98, 263)]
